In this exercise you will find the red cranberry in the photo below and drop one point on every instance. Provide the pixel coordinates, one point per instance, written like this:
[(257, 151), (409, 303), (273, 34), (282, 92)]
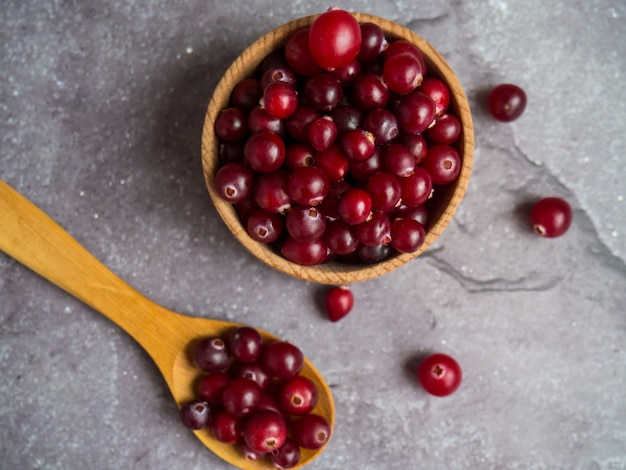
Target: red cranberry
[(280, 99), (304, 253), (357, 145), (372, 41), (195, 414), (264, 226), (402, 72), (265, 431), (271, 192), (260, 120), (245, 344), (278, 73), (407, 235), (297, 396), (251, 370), (231, 124), (443, 163), (332, 162), (311, 431), (334, 39), (211, 354), (338, 302), (384, 189), (399, 160), (241, 396), (369, 92), (305, 223), (246, 94), (210, 387), (376, 230), (234, 182), (354, 206), (264, 151), (438, 92), (299, 155), (415, 112), (226, 427), (308, 186), (287, 456), (551, 217), (298, 123), (340, 237), (446, 130), (506, 102), (382, 124), (415, 189), (322, 133), (298, 54), (323, 92), (439, 374), (282, 360)]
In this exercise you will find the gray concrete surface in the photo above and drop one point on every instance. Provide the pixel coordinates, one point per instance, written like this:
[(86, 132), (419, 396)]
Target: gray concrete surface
[(101, 109)]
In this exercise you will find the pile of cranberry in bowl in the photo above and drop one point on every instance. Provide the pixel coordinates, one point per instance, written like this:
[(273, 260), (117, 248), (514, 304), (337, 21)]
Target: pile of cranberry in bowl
[(337, 147)]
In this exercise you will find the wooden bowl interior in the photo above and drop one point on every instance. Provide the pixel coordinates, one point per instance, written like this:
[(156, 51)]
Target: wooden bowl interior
[(442, 207)]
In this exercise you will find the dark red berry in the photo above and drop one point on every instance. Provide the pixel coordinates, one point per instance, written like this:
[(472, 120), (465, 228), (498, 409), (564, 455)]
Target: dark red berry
[(246, 94), (334, 39), (211, 354), (304, 253), (308, 186), (271, 192), (298, 396), (264, 226), (551, 217), (443, 163), (282, 360), (234, 182), (287, 456), (250, 370), (231, 124), (311, 431), (245, 344), (338, 302), (195, 414), (506, 102), (241, 396), (439, 374), (280, 99), (305, 223), (407, 235), (354, 206), (265, 431), (226, 427), (438, 92), (298, 54), (211, 386), (372, 41), (264, 151)]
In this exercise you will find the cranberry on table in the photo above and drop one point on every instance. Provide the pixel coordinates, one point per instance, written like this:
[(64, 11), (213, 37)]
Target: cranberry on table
[(195, 414), (338, 302), (506, 102), (439, 374), (551, 217)]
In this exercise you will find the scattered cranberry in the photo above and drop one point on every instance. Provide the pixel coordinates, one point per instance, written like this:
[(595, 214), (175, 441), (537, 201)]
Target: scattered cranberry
[(338, 302), (506, 102), (439, 374), (551, 217), (196, 414)]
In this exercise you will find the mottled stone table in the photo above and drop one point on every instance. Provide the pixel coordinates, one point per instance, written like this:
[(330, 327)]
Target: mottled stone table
[(101, 109)]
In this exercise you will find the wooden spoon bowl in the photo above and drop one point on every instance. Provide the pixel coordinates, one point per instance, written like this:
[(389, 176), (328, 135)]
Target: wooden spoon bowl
[(35, 240), (444, 205)]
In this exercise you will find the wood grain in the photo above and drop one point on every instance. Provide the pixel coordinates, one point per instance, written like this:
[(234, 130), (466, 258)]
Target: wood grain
[(448, 198)]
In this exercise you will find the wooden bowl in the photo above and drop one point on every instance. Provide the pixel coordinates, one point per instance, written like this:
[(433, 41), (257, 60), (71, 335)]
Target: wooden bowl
[(447, 199)]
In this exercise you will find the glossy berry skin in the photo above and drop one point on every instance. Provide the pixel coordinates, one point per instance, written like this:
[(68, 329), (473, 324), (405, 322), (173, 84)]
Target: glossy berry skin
[(280, 99), (407, 235), (439, 374), (308, 186), (264, 151), (270, 192), (245, 344), (372, 41), (297, 396), (231, 124), (305, 223), (264, 226), (340, 237), (211, 354), (506, 102), (443, 163), (196, 414), (287, 456), (438, 92), (334, 39), (282, 360), (376, 230), (311, 431), (241, 396), (226, 427), (265, 431), (402, 73), (415, 111), (354, 206), (211, 386), (323, 92), (298, 54), (551, 217), (250, 370), (304, 253), (446, 130), (234, 182), (338, 302)]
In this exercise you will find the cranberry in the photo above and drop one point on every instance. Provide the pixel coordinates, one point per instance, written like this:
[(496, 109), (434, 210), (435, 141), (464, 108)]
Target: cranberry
[(195, 414), (323, 92), (234, 182), (304, 253), (211, 386), (226, 427), (332, 162), (401, 46), (278, 73), (399, 160), (298, 396), (231, 124), (506, 102), (265, 431), (384, 189), (419, 213), (338, 302), (246, 94), (245, 344), (551, 217), (287, 456), (211, 354), (402, 72), (280, 99), (354, 206), (362, 171), (264, 151), (443, 163), (369, 92), (340, 237), (376, 230), (264, 226), (308, 186), (346, 118), (446, 130), (416, 188), (438, 92), (415, 111), (322, 133), (311, 431), (407, 235), (271, 192), (373, 254), (282, 360), (269, 402), (260, 120), (357, 145), (305, 223), (439, 374), (299, 155), (241, 396), (298, 54), (298, 123), (416, 144), (334, 39), (372, 42), (250, 370)]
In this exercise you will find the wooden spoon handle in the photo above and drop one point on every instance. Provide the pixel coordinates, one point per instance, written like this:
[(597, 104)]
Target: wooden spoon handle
[(35, 240)]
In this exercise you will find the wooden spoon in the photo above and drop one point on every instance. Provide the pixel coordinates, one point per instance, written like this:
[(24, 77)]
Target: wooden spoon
[(35, 240)]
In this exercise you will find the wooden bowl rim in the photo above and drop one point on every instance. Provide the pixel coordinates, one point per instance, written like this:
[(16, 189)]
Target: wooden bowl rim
[(334, 272)]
